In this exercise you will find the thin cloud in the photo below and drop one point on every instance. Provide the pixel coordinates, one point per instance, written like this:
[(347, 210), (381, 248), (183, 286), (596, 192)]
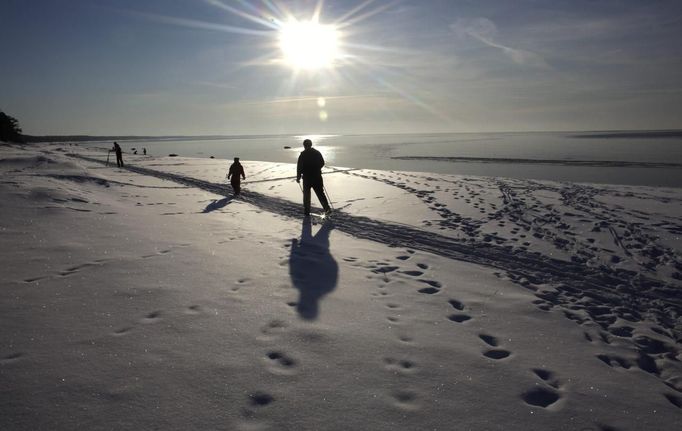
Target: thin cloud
[(214, 85), (485, 31)]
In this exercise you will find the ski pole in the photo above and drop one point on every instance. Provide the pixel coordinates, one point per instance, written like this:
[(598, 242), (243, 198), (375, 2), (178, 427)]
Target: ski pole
[(328, 197), (108, 154)]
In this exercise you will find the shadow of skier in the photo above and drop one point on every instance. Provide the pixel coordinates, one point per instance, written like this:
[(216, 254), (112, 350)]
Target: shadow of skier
[(312, 269), (216, 205)]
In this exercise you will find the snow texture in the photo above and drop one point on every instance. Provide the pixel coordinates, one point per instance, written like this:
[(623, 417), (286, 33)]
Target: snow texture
[(149, 297)]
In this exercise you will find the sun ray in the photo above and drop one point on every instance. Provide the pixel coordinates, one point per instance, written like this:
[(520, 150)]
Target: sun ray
[(268, 15), (191, 23), (311, 46), (384, 49), (280, 10), (253, 18), (353, 11), (406, 95), (366, 15), (267, 59), (318, 11)]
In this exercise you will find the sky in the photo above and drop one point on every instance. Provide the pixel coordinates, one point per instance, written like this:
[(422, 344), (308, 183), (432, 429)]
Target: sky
[(205, 67)]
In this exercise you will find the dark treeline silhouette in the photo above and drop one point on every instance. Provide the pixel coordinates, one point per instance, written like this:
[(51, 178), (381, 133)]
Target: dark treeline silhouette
[(9, 129)]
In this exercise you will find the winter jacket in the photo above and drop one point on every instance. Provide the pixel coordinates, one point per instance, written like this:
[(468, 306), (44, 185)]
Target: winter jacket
[(310, 164)]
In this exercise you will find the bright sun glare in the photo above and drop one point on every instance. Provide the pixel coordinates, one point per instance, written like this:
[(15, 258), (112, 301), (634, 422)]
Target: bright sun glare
[(309, 45)]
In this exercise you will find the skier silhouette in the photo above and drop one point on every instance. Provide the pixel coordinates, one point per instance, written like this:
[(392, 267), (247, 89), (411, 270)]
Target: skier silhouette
[(236, 170), (119, 154), (309, 166)]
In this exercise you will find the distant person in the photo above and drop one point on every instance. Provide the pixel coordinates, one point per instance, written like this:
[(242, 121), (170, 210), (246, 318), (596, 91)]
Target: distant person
[(119, 154), (309, 166), (236, 171), (144, 151)]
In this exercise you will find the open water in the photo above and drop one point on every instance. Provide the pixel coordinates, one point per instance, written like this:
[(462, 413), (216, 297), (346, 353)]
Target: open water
[(636, 158)]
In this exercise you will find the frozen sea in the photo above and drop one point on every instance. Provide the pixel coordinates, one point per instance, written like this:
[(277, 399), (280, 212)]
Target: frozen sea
[(652, 158)]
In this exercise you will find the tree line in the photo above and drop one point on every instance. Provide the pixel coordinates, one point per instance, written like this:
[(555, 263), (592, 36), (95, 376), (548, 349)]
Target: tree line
[(9, 129)]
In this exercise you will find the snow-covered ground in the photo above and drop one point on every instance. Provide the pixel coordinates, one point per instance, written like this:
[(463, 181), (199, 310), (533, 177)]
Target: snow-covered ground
[(150, 298)]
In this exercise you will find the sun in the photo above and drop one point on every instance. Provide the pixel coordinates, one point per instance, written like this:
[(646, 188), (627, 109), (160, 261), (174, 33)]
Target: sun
[(309, 45)]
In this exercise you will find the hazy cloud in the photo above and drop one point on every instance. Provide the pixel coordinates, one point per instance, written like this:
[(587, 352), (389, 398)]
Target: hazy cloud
[(485, 31)]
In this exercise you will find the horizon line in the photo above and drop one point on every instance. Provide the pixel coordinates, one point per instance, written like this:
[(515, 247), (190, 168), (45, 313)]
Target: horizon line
[(123, 137)]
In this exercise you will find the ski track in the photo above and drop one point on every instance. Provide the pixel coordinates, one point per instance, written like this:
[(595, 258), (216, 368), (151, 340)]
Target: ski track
[(585, 291)]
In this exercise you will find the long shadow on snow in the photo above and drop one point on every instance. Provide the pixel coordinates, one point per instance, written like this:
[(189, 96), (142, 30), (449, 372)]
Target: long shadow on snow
[(312, 268), (217, 204), (627, 293)]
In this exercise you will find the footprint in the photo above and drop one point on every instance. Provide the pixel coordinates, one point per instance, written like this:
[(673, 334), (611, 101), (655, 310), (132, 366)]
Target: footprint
[(497, 354), (413, 273), (280, 362), (648, 364), (384, 269), (675, 383), (614, 361), (405, 399), (12, 357), (429, 290), (122, 331), (489, 340), (261, 399), (405, 338), (459, 318), (542, 305), (193, 309), (674, 400), (652, 346), (274, 326), (432, 283), (423, 266), (547, 376), (540, 397), (152, 317), (399, 365), (32, 279), (456, 304)]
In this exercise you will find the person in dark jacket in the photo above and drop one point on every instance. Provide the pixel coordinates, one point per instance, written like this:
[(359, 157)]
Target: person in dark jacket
[(309, 166), (236, 171), (119, 154)]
